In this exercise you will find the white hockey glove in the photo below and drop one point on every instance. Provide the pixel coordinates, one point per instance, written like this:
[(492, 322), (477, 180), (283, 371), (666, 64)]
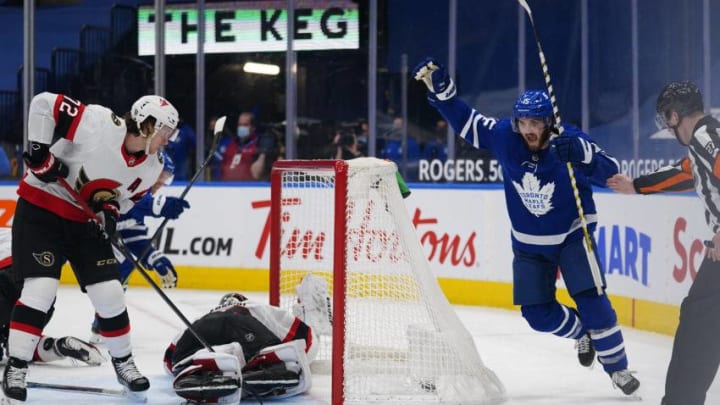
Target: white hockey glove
[(436, 79), (51, 349), (314, 306)]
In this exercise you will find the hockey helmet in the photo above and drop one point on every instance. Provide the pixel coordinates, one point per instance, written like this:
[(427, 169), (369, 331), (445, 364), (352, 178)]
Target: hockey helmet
[(233, 298), (681, 97), (532, 104), (165, 115)]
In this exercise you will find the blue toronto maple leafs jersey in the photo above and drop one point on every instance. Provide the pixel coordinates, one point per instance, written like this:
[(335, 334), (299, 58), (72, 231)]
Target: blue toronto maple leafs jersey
[(538, 193)]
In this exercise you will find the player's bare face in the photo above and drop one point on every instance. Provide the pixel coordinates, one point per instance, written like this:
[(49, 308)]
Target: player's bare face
[(161, 139), (532, 130)]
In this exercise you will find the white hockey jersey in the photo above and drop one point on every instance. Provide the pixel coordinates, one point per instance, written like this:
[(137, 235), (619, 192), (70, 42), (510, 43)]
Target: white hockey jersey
[(5, 247), (89, 139)]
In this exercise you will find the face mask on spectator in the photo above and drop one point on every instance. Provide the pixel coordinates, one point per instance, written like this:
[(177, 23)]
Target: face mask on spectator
[(243, 131)]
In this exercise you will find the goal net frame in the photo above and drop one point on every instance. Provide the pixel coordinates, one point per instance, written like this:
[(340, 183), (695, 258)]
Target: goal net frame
[(449, 338)]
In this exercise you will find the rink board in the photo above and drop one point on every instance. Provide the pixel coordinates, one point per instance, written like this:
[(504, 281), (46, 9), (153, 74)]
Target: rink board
[(651, 246)]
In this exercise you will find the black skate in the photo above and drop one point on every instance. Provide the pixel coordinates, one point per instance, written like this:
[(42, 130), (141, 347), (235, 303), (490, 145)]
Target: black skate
[(14, 386), (128, 374), (624, 380), (75, 348), (585, 350)]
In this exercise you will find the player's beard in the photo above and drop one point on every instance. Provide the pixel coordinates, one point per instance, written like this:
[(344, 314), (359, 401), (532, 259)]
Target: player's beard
[(543, 141)]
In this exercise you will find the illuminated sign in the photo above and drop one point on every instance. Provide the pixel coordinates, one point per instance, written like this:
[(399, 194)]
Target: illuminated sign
[(253, 26)]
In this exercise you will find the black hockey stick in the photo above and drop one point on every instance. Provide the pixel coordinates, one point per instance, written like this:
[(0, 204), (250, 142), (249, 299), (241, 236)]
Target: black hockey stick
[(78, 388), (122, 249), (589, 250), (217, 133)]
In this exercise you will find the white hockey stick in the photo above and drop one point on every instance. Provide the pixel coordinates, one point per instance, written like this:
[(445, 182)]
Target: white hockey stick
[(589, 250)]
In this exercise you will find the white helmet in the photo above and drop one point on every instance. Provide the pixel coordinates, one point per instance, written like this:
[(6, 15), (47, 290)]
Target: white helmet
[(157, 107)]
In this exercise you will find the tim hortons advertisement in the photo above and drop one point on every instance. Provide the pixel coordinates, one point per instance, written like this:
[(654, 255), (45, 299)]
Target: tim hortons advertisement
[(650, 246)]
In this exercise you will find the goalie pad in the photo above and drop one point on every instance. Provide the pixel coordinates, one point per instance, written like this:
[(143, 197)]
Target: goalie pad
[(314, 304), (210, 377), (279, 371)]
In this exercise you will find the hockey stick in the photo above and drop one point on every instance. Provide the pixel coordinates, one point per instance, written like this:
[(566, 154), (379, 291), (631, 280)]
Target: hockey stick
[(589, 250), (78, 389), (217, 132), (123, 249)]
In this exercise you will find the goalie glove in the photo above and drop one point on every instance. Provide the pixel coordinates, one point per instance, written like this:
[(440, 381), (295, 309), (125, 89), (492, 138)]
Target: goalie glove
[(164, 268), (313, 304), (436, 79)]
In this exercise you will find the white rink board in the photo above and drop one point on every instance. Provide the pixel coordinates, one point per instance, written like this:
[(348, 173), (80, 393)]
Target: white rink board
[(652, 244)]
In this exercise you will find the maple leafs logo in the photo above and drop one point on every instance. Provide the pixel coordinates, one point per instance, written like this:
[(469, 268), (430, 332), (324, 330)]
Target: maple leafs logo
[(537, 199)]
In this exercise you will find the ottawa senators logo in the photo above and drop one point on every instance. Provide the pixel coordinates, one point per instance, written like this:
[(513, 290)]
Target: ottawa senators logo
[(46, 259), (95, 191)]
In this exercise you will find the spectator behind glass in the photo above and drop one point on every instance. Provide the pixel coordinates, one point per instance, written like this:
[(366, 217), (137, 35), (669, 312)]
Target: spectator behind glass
[(247, 155), (436, 147), (182, 152), (346, 146)]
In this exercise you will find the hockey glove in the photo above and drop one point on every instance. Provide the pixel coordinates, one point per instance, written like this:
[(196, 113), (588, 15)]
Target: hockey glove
[(169, 207), (436, 79), (266, 144), (104, 225), (164, 268), (43, 164), (572, 149)]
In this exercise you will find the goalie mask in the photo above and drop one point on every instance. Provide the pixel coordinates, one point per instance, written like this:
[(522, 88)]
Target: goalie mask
[(165, 115), (233, 298)]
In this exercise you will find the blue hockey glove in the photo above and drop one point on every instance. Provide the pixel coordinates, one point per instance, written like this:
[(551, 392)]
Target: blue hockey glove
[(572, 149), (164, 268), (169, 207), (436, 78)]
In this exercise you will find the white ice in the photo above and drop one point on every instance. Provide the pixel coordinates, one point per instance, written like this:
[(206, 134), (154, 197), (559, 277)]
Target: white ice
[(537, 369)]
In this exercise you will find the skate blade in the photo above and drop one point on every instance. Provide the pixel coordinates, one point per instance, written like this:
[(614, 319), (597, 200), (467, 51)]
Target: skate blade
[(136, 396)]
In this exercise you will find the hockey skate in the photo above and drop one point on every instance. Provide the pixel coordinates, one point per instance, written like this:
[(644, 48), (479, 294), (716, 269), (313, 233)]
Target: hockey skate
[(77, 349), (14, 386), (130, 378), (585, 350), (624, 380)]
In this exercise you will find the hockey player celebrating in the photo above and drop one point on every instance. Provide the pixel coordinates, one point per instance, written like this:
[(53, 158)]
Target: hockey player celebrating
[(546, 228), (49, 348), (111, 163), (259, 350)]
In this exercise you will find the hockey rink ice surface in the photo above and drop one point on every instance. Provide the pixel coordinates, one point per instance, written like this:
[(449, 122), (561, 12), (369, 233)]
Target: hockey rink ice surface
[(535, 368)]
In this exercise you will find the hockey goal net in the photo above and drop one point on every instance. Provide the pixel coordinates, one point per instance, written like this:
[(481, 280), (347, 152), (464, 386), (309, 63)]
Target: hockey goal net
[(395, 339)]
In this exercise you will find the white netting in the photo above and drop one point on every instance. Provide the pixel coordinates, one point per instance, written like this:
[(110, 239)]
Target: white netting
[(404, 344)]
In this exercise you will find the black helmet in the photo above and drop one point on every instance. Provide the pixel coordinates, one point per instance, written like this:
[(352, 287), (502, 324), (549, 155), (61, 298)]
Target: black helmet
[(681, 97)]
